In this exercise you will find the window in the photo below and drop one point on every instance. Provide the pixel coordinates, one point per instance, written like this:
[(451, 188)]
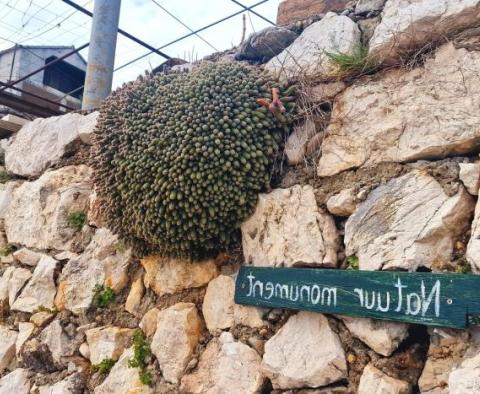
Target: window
[(64, 77)]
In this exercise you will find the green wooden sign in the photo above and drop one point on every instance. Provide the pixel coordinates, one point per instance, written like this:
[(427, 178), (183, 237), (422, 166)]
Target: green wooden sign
[(450, 300)]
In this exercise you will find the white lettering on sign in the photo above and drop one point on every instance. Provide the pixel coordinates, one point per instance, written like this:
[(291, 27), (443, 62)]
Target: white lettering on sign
[(304, 293), (407, 302)]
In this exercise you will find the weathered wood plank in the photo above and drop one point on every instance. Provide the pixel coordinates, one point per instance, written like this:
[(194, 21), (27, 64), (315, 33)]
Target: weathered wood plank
[(7, 127), (290, 11), (436, 299)]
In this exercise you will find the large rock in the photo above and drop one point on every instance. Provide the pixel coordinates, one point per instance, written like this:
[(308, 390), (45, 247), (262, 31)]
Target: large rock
[(287, 228), (6, 194), (19, 277), (469, 174), (178, 333), (366, 6), (27, 256), (85, 270), (473, 248), (107, 342), (296, 146), (381, 336), (401, 116), (465, 379), (40, 290), (407, 223), (290, 11), (73, 384), (220, 310), (43, 142), (38, 213), (8, 339), (16, 382), (25, 331), (374, 381), (167, 275), (102, 263), (226, 366), (264, 44), (307, 55), (410, 25), (58, 342), (122, 379), (305, 352), (446, 352)]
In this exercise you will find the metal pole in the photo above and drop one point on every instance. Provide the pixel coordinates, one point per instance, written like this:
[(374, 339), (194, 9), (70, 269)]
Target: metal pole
[(101, 56)]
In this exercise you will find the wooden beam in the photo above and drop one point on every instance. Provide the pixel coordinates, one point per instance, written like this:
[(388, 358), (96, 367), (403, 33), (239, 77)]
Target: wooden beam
[(7, 128)]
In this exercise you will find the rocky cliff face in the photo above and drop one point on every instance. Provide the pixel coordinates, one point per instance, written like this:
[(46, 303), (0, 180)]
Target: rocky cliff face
[(383, 171)]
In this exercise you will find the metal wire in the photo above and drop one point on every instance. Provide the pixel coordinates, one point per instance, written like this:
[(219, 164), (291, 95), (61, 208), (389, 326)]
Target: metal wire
[(183, 24), (254, 12)]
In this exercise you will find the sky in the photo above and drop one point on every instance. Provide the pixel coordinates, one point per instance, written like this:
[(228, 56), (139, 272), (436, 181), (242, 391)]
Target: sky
[(52, 22)]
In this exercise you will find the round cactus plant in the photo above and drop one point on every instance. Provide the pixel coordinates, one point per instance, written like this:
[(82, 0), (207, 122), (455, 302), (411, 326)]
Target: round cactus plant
[(179, 159)]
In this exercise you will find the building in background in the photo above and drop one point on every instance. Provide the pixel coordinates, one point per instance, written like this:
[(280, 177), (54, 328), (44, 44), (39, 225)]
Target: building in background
[(61, 82)]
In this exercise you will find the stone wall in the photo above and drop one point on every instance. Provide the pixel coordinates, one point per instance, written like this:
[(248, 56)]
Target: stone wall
[(382, 172)]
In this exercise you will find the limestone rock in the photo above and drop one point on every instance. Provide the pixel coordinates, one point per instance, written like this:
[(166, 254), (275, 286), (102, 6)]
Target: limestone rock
[(149, 322), (446, 351), (27, 256), (122, 379), (167, 275), (4, 281), (470, 176), (6, 194), (107, 342), (374, 381), (290, 11), (409, 25), (16, 382), (38, 213), (42, 318), (40, 290), (366, 6), (473, 248), (135, 295), (307, 54), (465, 379), (58, 342), (343, 203), (178, 332), (266, 43), (407, 223), (219, 308), (41, 143), (287, 228), (225, 366), (85, 270), (37, 357), (325, 92), (73, 384), (25, 330), (19, 277), (401, 117), (87, 127), (381, 336), (8, 339), (305, 340), (295, 148)]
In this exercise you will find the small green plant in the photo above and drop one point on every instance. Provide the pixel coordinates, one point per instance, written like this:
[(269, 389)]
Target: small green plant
[(359, 62), (7, 249), (352, 263), (463, 266), (141, 352), (104, 366), (102, 296), (43, 308), (76, 220), (120, 247), (4, 176)]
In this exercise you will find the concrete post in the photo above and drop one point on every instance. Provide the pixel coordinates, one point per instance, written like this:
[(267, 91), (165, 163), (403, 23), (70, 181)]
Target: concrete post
[(101, 55)]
